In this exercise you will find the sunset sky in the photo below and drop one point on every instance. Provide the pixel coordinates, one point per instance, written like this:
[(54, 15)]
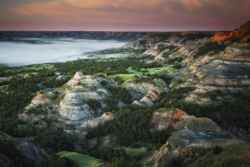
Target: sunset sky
[(123, 15)]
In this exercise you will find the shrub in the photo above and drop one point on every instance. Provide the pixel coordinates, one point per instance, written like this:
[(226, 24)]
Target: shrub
[(18, 95), (231, 156), (120, 93), (123, 162), (131, 126), (211, 46), (54, 140)]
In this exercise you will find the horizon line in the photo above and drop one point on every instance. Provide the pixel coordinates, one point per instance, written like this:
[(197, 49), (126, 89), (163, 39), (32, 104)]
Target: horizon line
[(96, 30)]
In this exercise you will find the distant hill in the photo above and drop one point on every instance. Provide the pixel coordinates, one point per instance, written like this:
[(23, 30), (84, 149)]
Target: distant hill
[(19, 35)]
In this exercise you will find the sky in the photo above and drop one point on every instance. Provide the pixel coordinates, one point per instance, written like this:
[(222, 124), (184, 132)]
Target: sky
[(123, 15)]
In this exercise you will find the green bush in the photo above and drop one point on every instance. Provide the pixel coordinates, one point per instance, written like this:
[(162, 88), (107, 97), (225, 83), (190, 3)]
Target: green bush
[(18, 95), (108, 153), (119, 93), (110, 66), (123, 162), (134, 124), (54, 140), (146, 72), (131, 126), (231, 156)]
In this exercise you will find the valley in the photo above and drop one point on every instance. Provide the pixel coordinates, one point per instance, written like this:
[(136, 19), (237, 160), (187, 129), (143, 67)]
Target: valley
[(179, 99)]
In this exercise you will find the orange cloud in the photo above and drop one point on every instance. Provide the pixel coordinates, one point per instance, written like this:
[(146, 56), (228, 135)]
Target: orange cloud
[(131, 13), (51, 8), (139, 4), (198, 4), (61, 8), (89, 3), (192, 4), (95, 13)]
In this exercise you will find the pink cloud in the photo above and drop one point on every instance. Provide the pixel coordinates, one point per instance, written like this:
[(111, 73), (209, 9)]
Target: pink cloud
[(168, 14), (50, 8), (192, 4)]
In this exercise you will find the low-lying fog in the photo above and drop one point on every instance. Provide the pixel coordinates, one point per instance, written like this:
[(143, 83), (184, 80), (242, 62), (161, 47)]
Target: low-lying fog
[(39, 50)]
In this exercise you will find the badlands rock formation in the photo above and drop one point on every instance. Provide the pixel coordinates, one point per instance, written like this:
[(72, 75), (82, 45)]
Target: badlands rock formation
[(81, 102), (85, 97), (40, 99), (207, 66), (93, 123), (82, 99), (178, 120), (146, 93), (190, 137), (227, 72)]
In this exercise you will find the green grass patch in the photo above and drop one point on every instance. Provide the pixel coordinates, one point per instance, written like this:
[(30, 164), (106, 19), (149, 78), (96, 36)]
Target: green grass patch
[(109, 66), (123, 162), (46, 69), (124, 77), (155, 71), (80, 160), (135, 152)]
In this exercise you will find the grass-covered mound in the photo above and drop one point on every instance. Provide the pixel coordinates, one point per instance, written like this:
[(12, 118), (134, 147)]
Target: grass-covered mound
[(17, 94), (232, 115), (232, 156), (125, 77), (131, 126), (211, 46)]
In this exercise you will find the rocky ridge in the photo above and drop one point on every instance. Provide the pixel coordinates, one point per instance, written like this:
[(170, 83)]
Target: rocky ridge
[(190, 137), (227, 72), (208, 65)]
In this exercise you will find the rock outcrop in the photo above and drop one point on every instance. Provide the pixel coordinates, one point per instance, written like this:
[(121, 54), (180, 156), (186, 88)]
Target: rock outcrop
[(93, 123), (146, 93), (80, 103), (190, 137), (227, 72), (174, 121), (222, 36), (85, 97), (40, 99), (208, 66)]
